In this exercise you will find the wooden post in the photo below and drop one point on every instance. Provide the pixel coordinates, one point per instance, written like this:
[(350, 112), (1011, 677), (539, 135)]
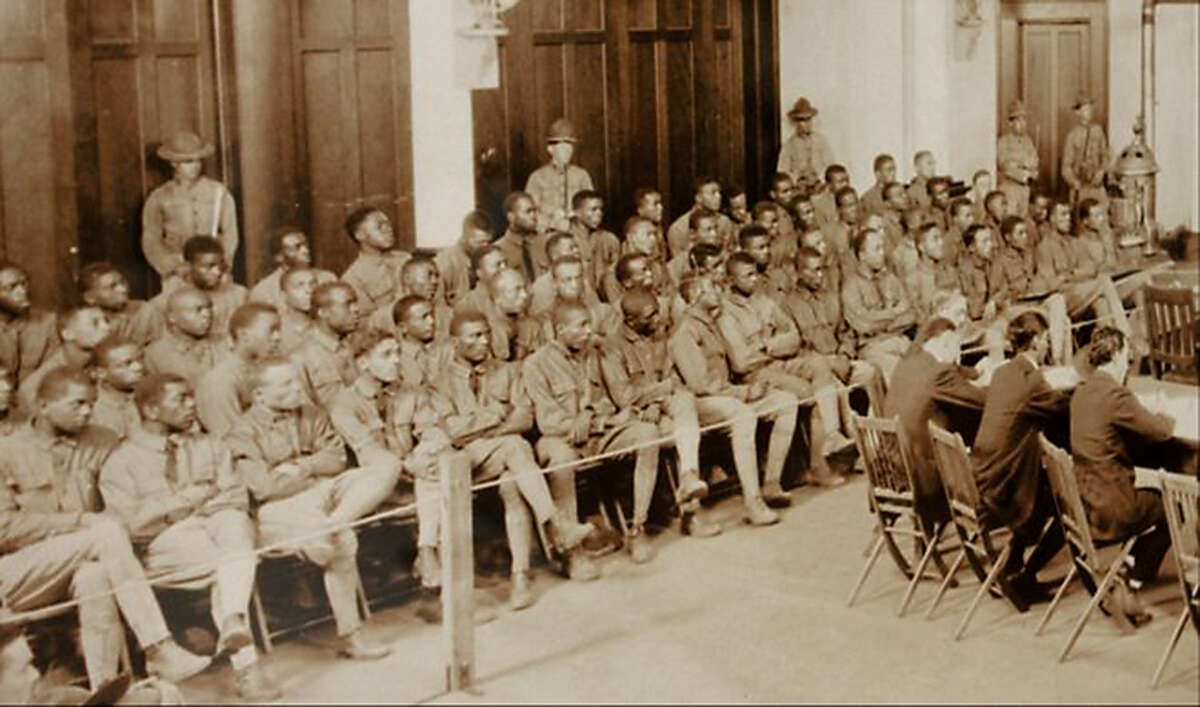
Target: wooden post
[(458, 571)]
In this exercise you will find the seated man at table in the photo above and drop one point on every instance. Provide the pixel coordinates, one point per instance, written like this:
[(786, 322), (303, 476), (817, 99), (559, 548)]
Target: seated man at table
[(1007, 455), (1063, 264), (288, 454), (1104, 414), (876, 306)]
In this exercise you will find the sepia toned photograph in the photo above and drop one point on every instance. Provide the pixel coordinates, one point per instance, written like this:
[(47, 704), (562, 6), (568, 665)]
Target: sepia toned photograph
[(599, 352)]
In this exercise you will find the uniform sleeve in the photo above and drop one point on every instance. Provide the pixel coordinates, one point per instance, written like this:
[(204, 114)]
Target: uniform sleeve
[(144, 516), (553, 418), (163, 261), (229, 489), (785, 342), (1044, 263), (255, 472), (1068, 160), (356, 432), (744, 357), (690, 363), (217, 405), (520, 416), (19, 528), (861, 318), (328, 455)]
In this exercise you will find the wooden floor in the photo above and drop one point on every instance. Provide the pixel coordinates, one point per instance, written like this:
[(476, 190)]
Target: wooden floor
[(753, 615)]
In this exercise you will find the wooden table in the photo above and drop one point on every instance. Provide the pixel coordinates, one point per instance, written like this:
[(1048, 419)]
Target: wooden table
[(1178, 400)]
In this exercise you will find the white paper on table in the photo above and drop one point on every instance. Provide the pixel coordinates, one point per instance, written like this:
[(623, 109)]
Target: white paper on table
[(1061, 377)]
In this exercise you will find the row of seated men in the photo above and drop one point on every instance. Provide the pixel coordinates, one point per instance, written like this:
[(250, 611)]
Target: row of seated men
[(226, 419)]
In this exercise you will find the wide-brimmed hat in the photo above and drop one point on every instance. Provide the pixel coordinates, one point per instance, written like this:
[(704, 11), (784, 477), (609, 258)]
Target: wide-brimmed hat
[(561, 130), (184, 146), (1082, 100), (801, 109), (1016, 109)]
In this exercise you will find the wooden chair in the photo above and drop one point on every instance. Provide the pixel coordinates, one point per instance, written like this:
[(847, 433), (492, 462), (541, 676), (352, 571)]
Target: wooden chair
[(1181, 501), (888, 460), (1086, 564), (975, 531), (1171, 316)]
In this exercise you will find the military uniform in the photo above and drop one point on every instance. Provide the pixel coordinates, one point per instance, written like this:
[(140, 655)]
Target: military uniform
[(1016, 167), (375, 278), (878, 311), (269, 290), (552, 189), (804, 159), (326, 365), (175, 212), (25, 342), (182, 355), (679, 234), (1084, 162)]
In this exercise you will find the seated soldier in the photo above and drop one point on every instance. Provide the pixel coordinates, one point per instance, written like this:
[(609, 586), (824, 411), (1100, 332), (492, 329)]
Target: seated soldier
[(1099, 245), (206, 270), (782, 193), (79, 329), (523, 242), (1007, 456), (103, 285), (737, 205), (930, 386), (116, 365), (839, 234), (707, 260), (781, 239), (755, 241), (918, 188), (903, 254), (568, 281), (638, 376), (641, 238), (1038, 220), (875, 305), (824, 200), (375, 272), (831, 263), (254, 336), (185, 347), (454, 262), (515, 334), (648, 204), (817, 310), (979, 278), (416, 325), (559, 245), (764, 344), (873, 200), (981, 186), (290, 250), (295, 308), (708, 200), (56, 548), (703, 227), (1063, 264), (895, 204), (804, 218), (698, 352), (419, 276), (931, 273), (325, 362), (28, 335), (485, 263), (176, 491), (578, 419), (938, 210), (598, 248), (480, 406), (1016, 258), (1105, 418), (995, 208), (962, 216), (289, 456)]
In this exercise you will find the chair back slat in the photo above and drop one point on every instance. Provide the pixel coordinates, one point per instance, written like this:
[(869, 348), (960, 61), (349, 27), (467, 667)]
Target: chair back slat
[(1171, 319), (1181, 502), (958, 477), (886, 456), (1060, 471)]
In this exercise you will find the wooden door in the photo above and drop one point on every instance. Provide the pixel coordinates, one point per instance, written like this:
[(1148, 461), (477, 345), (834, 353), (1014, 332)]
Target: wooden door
[(353, 118), (37, 207), (654, 87), (141, 71), (1051, 53)]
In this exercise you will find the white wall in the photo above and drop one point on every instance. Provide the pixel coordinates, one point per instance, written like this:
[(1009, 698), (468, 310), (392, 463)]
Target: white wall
[(885, 77)]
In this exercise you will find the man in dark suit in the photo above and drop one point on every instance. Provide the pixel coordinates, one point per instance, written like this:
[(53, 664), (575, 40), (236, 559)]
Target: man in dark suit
[(1104, 413), (1007, 456), (928, 384)]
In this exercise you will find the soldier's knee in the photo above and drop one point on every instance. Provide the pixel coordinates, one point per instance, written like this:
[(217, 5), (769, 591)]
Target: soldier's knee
[(107, 530), (90, 579), (345, 543)]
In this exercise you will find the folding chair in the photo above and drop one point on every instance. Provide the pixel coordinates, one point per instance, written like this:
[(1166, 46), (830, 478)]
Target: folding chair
[(976, 532), (888, 460), (1171, 317), (1085, 558), (1181, 501)]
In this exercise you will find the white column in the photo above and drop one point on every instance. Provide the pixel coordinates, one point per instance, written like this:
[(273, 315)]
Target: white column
[(443, 150)]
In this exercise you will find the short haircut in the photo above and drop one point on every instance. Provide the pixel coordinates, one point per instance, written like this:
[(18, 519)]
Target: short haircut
[(562, 310), (890, 187), (149, 390), (969, 235), (804, 253), (464, 317), (6, 265), (993, 195), (748, 233), (404, 307), (642, 193), (860, 239), (258, 373), (366, 341), (244, 317), (323, 293), (925, 229), (477, 221), (704, 180), (511, 201), (739, 258), (290, 273), (833, 170), (55, 383), (779, 178), (763, 207), (1009, 224), (355, 219), (935, 328), (197, 246), (278, 234), (935, 182), (1024, 328), (633, 222), (1107, 342), (1085, 208), (185, 291), (554, 239), (583, 196), (843, 194), (91, 273), (1060, 204), (624, 267), (107, 345), (68, 316), (980, 173), (478, 256), (636, 298), (688, 285), (417, 261), (702, 253), (958, 204), (696, 216), (731, 190), (921, 153), (565, 260), (881, 160)]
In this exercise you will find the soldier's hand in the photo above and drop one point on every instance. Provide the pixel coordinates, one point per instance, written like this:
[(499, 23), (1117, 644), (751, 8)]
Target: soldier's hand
[(651, 414), (756, 391), (581, 428), (989, 310)]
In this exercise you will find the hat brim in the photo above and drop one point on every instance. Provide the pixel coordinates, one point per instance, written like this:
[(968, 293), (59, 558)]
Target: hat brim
[(801, 114), (1018, 114), (555, 140), (1080, 104), (172, 156)]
